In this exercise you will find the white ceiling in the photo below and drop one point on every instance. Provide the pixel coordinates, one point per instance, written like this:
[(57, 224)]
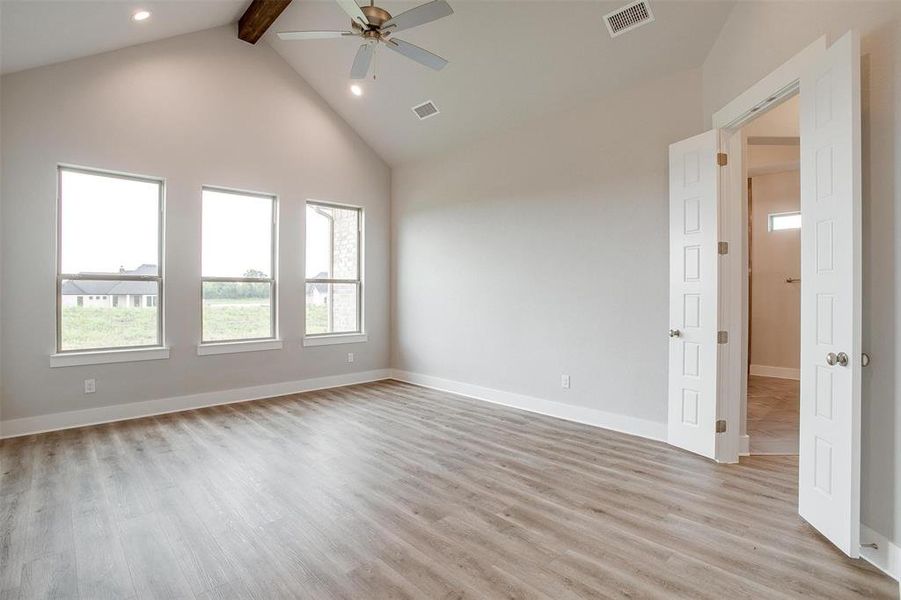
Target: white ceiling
[(41, 32), (509, 62)]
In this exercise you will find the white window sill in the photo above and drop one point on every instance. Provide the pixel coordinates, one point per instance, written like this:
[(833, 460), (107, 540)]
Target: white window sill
[(235, 347), (103, 357), (338, 338)]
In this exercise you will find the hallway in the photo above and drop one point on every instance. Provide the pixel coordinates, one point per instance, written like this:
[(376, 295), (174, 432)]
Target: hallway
[(773, 415)]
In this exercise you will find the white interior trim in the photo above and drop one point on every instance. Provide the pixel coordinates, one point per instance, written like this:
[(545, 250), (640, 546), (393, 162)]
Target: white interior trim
[(886, 558), (783, 79), (744, 445), (338, 338), (731, 293), (134, 410), (103, 357), (653, 430), (212, 348), (779, 372), (754, 101), (783, 167)]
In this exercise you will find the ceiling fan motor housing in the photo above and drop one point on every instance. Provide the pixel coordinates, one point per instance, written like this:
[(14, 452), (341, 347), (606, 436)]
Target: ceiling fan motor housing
[(375, 15)]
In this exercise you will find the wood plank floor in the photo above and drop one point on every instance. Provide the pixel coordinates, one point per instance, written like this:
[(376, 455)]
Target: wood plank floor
[(387, 490), (774, 415)]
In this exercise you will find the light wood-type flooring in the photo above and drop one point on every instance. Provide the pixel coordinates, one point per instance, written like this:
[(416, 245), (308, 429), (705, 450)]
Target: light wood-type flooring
[(774, 415), (387, 490)]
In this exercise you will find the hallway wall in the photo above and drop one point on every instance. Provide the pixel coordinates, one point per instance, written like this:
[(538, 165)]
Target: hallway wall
[(775, 256)]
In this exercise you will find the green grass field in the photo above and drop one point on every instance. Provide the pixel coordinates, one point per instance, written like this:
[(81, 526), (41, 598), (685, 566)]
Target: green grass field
[(96, 327), (236, 320)]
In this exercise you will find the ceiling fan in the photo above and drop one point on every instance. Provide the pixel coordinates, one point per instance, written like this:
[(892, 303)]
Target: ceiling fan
[(376, 25)]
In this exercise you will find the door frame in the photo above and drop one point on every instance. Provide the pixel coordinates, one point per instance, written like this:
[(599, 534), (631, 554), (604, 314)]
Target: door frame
[(732, 377)]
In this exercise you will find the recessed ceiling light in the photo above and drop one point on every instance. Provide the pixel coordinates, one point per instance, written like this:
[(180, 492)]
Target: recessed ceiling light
[(356, 90), (141, 15)]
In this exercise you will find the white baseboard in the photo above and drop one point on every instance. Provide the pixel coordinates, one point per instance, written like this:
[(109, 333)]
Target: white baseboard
[(744, 445), (886, 558), (580, 414), (778, 372), (134, 410)]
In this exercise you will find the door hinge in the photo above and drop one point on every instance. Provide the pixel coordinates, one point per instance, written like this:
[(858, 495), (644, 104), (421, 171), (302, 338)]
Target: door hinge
[(721, 426), (722, 337), (722, 247), (722, 159)]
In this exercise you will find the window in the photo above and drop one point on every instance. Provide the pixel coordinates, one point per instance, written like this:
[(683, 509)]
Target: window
[(333, 269), (786, 220), (238, 266), (109, 232)]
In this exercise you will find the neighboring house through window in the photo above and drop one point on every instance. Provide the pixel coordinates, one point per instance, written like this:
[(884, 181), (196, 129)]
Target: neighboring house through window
[(109, 251), (334, 290)]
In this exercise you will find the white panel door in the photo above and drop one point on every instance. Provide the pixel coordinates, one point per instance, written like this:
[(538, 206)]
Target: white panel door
[(829, 462), (694, 192)]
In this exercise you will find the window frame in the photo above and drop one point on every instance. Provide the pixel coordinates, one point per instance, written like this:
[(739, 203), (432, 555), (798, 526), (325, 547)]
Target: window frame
[(360, 330), (272, 280), (771, 217), (159, 278)]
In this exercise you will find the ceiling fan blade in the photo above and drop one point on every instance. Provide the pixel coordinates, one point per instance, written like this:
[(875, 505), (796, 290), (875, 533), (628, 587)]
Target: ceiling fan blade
[(353, 11), (422, 14), (313, 35), (423, 57), (361, 61)]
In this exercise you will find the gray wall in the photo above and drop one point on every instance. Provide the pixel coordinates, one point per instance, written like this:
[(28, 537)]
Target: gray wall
[(544, 251), (757, 38), (198, 109), (533, 253)]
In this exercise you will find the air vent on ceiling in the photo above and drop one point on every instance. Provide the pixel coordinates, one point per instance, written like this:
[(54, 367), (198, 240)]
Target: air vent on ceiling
[(425, 110), (628, 18)]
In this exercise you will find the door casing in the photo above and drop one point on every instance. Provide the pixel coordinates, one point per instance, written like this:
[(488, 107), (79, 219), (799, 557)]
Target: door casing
[(766, 94), (732, 376)]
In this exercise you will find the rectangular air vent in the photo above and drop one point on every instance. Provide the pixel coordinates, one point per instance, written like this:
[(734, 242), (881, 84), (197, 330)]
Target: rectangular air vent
[(425, 110), (628, 18)]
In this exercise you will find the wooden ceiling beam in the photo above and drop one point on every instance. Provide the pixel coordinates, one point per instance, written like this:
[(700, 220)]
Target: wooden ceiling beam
[(258, 17)]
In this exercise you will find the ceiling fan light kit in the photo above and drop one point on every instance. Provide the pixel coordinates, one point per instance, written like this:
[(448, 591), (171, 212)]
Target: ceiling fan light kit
[(376, 26)]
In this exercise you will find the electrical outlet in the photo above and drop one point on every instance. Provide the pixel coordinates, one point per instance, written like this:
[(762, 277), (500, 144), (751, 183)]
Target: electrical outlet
[(564, 382), (350, 357), (90, 386)]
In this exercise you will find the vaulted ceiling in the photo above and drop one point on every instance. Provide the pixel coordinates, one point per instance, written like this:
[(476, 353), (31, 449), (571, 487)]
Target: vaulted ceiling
[(510, 62), (42, 32)]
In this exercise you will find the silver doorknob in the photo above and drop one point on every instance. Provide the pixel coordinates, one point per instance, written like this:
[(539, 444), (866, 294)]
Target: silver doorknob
[(865, 360), (675, 333), (833, 359)]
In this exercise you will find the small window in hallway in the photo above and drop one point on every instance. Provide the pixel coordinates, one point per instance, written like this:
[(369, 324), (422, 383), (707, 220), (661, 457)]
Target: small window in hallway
[(781, 221)]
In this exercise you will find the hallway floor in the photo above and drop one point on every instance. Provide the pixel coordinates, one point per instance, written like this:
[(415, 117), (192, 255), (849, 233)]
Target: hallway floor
[(773, 415)]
